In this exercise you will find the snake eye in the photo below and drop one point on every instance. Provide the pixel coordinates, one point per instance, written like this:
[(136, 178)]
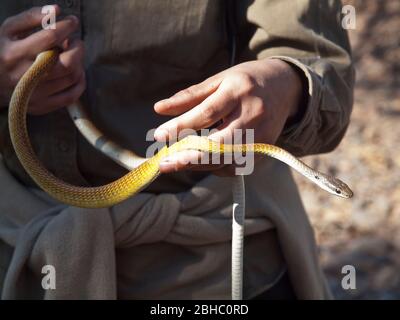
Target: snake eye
[(338, 191)]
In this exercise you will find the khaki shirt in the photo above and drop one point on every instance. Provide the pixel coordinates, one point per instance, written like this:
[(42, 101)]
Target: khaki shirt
[(138, 52)]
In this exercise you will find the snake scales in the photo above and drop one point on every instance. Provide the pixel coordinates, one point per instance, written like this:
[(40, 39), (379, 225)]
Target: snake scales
[(138, 178)]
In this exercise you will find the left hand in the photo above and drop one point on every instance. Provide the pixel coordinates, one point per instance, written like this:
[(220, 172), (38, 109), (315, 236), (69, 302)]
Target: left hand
[(260, 95)]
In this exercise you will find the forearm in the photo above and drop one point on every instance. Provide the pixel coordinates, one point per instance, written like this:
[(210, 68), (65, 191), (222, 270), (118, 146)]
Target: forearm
[(314, 43), (327, 104)]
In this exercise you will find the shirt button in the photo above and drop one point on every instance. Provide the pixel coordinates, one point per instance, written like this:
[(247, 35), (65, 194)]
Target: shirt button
[(69, 3)]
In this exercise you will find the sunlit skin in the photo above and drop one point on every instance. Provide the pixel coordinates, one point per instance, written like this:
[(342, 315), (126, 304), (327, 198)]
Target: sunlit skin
[(261, 95)]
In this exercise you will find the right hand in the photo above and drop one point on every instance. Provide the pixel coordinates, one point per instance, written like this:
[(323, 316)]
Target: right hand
[(19, 47)]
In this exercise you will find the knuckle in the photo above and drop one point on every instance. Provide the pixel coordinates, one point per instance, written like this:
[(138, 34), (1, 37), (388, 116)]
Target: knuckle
[(7, 57), (31, 14), (245, 82), (6, 23), (71, 23), (210, 113), (67, 26), (72, 62), (258, 107), (68, 65), (188, 92), (50, 37)]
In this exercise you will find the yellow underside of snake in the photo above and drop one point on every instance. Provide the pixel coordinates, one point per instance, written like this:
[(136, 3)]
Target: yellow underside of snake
[(137, 179)]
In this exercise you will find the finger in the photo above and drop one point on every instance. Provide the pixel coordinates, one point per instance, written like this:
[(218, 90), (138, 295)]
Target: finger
[(59, 100), (190, 160), (47, 39), (25, 21), (234, 132), (179, 161), (228, 130), (178, 166), (51, 87), (69, 61), (210, 111), (18, 71), (187, 99)]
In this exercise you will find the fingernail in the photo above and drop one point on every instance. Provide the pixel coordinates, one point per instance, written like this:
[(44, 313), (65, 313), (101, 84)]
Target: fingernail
[(158, 105), (161, 134), (74, 19)]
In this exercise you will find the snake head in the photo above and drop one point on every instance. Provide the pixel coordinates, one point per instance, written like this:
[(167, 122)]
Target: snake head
[(333, 186)]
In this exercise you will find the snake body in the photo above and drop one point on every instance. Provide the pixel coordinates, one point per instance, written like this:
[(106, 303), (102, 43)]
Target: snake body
[(138, 178)]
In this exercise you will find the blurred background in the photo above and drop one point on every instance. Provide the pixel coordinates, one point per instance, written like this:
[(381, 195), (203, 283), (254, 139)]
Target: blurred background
[(365, 231)]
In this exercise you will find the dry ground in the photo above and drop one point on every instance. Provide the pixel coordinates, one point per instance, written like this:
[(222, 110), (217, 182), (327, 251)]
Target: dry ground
[(365, 231)]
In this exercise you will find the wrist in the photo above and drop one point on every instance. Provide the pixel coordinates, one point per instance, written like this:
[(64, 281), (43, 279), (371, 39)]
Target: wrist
[(298, 84)]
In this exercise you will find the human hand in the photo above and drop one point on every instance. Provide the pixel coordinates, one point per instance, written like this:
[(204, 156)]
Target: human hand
[(19, 48), (260, 95)]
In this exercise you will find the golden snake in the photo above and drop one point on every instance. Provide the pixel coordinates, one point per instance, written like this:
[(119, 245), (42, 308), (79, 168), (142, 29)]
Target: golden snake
[(134, 181)]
